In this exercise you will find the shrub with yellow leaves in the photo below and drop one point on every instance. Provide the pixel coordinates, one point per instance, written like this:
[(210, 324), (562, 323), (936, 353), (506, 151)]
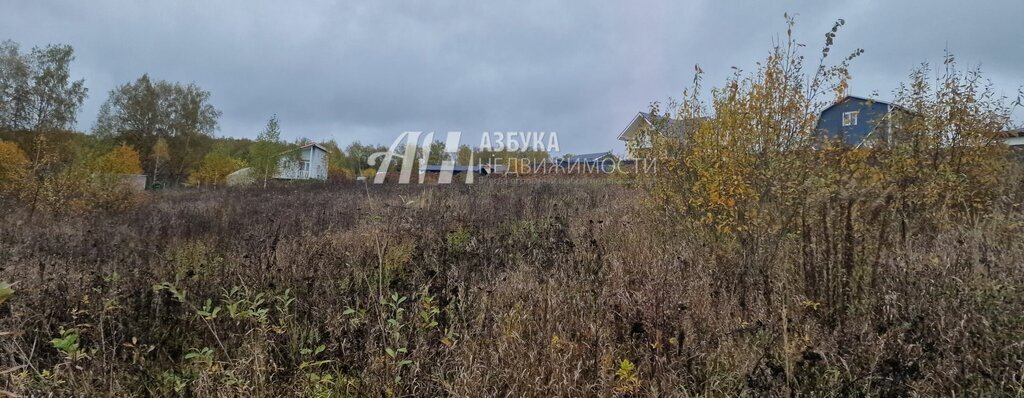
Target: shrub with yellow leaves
[(123, 159), (14, 168), (787, 212), (215, 168), (338, 173)]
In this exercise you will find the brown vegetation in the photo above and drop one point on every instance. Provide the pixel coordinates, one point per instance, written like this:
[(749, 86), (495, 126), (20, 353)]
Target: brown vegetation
[(482, 290), (760, 260)]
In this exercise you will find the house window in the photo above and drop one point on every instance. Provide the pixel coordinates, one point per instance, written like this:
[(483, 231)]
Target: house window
[(304, 166), (850, 118)]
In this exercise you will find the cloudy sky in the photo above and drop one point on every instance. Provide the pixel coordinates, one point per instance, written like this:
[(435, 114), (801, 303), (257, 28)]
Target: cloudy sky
[(368, 70)]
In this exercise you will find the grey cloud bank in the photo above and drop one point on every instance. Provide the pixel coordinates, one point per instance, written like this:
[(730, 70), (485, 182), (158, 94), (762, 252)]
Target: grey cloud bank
[(369, 70)]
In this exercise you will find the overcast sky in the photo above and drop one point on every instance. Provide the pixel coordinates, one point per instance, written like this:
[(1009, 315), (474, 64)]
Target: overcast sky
[(368, 70)]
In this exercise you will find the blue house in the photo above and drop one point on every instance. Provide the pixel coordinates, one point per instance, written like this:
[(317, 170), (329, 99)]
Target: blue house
[(855, 120)]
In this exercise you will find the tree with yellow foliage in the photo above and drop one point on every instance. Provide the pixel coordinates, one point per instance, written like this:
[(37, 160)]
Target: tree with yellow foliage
[(339, 173), (790, 214), (122, 159), (14, 168), (368, 174), (214, 169), (13, 161), (160, 154)]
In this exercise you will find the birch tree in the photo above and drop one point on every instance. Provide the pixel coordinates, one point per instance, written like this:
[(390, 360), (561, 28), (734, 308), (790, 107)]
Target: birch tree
[(265, 153)]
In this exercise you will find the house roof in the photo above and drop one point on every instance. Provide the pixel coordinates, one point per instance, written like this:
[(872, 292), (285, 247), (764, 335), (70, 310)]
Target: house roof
[(241, 171), (323, 148), (304, 146), (639, 118), (589, 157), (854, 97), (1013, 133), (675, 126)]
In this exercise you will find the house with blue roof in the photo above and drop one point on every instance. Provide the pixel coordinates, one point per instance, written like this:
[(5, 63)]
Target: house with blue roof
[(855, 120), (858, 121), (852, 120)]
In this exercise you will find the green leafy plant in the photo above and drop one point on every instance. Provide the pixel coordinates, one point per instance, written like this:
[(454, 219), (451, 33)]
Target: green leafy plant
[(428, 311), (202, 355), (241, 305), (209, 311), (6, 291), (179, 295), (310, 355), (628, 381), (459, 241), (394, 325), (68, 344)]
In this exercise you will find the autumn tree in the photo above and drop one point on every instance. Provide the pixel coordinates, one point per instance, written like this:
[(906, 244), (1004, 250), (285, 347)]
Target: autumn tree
[(14, 168), (357, 155), (36, 89), (90, 180), (464, 156), (215, 168), (265, 153), (748, 144), (787, 212), (123, 159), (13, 161), (337, 163), (141, 112), (368, 173), (947, 152), (437, 153), (160, 154)]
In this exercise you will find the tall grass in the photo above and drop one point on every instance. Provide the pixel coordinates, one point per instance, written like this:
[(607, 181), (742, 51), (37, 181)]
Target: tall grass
[(492, 289)]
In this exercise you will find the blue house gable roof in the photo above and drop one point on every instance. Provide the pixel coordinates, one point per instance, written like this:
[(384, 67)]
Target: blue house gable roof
[(852, 120)]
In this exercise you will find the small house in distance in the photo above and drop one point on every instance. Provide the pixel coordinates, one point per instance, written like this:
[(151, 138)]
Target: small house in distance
[(857, 121), (600, 161), (308, 162), (1014, 138), (853, 120), (669, 126)]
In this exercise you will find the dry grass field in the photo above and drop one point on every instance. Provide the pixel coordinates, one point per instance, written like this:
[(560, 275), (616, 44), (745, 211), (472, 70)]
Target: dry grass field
[(796, 222), (485, 290)]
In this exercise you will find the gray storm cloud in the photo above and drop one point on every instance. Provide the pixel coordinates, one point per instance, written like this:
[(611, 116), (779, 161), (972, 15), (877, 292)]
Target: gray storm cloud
[(367, 71)]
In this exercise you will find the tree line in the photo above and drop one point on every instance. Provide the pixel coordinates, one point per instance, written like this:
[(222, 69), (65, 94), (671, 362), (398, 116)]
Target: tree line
[(169, 126)]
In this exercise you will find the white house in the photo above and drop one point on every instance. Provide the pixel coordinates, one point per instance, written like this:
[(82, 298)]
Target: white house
[(631, 134), (308, 162), (1014, 138)]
